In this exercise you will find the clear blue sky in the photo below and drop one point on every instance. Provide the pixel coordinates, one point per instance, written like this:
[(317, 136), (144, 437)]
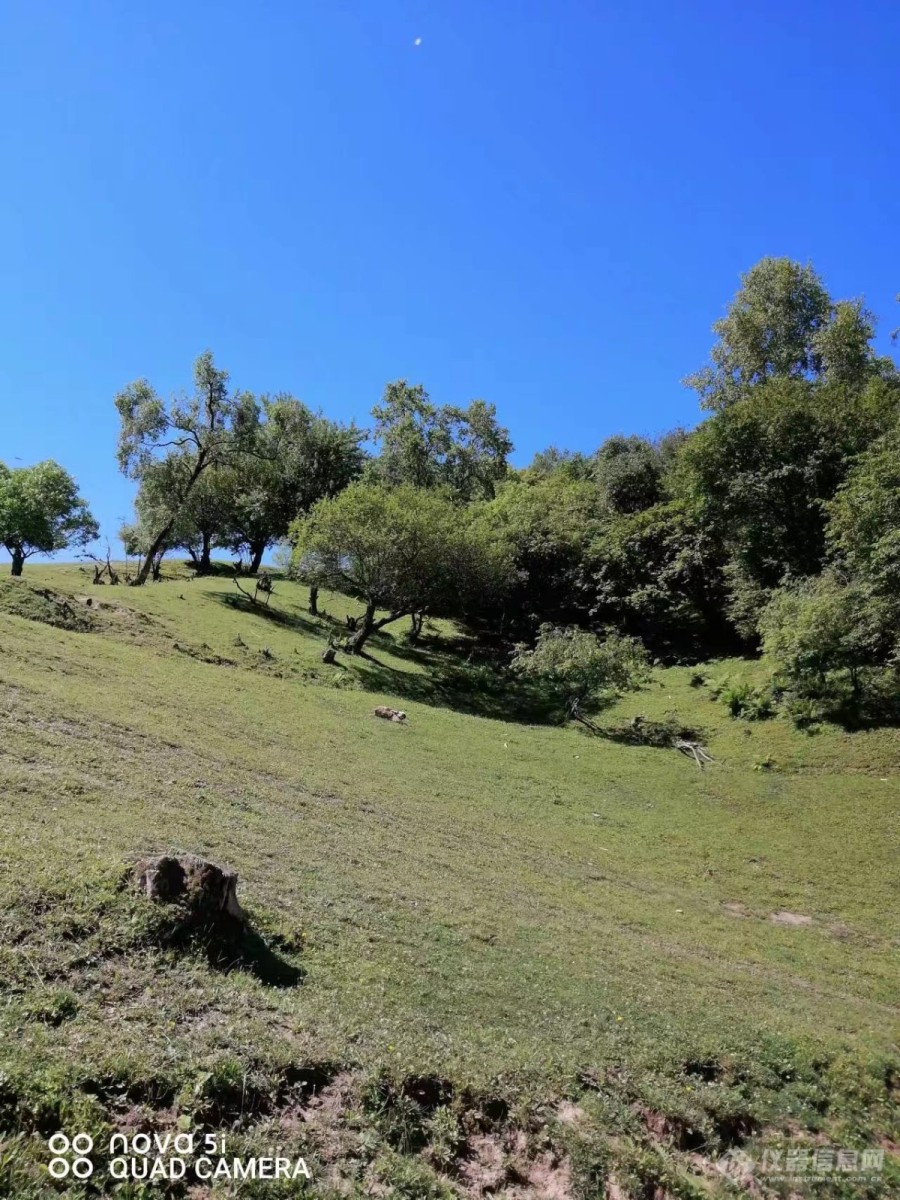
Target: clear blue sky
[(545, 204)]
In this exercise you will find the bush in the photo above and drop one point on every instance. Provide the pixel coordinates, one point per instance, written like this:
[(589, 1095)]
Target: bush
[(582, 670), (748, 702), (823, 634)]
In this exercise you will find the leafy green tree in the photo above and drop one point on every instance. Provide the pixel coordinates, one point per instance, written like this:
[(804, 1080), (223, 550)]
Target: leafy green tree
[(783, 324), (296, 458), (658, 574), (41, 512), (629, 472), (199, 431), (461, 449), (546, 523), (760, 471), (203, 521), (404, 550), (582, 670), (864, 525), (571, 464), (815, 628)]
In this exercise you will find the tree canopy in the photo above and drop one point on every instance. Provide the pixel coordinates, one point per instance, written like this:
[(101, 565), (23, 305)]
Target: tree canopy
[(463, 450), (41, 512), (402, 550), (783, 324)]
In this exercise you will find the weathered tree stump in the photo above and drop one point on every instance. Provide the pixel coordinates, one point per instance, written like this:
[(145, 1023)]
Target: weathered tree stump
[(328, 654), (208, 891)]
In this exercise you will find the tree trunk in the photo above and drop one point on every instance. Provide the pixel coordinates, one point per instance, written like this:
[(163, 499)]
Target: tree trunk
[(355, 643), (204, 566), (357, 640), (313, 601), (157, 549), (159, 542), (18, 561), (256, 555)]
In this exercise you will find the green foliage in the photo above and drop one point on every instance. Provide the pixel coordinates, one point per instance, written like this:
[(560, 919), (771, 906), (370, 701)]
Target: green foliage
[(762, 468), (744, 700), (657, 574), (582, 669), (41, 512), (864, 527), (403, 549), (819, 627), (782, 324), (170, 446), (295, 458), (461, 449), (629, 472), (544, 521)]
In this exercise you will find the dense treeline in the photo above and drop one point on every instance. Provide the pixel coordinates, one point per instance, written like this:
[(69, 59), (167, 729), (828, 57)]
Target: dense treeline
[(775, 523)]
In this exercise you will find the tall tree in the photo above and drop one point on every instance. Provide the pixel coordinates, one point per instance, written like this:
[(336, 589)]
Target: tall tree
[(41, 512), (783, 324), (462, 449), (295, 458), (202, 430), (545, 522), (761, 469)]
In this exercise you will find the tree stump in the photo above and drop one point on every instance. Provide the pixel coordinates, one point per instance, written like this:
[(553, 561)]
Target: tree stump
[(208, 891)]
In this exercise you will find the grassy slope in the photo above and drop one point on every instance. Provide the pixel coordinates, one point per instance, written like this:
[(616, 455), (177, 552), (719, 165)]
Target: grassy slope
[(514, 907)]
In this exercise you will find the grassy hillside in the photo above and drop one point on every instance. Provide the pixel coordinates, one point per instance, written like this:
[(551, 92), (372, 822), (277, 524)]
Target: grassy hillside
[(492, 956)]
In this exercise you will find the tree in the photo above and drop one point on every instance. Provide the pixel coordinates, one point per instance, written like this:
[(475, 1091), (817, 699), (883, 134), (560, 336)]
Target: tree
[(545, 522), (197, 518), (629, 472), (404, 550), (658, 574), (815, 628), (761, 470), (864, 518), (295, 458), (582, 669), (461, 449), (200, 431), (41, 512), (783, 324)]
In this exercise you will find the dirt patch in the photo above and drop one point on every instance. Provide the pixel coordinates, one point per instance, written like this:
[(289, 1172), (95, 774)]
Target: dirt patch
[(504, 1166), (790, 918), (570, 1114)]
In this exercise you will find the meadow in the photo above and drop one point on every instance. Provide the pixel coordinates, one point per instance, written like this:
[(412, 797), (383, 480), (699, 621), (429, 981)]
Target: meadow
[(490, 955)]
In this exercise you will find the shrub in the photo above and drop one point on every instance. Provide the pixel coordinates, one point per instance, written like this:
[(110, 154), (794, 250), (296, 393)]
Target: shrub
[(581, 669), (748, 702), (823, 632)]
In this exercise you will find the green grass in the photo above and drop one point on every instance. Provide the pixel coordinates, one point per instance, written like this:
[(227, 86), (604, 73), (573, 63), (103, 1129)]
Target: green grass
[(524, 911)]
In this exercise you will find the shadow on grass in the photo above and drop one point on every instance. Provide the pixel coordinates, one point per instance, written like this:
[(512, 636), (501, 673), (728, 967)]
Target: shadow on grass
[(247, 951), (482, 689), (445, 680), (856, 713), (267, 614)]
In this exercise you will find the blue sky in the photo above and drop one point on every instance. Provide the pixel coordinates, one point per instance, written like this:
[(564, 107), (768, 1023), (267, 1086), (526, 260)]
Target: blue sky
[(543, 204)]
